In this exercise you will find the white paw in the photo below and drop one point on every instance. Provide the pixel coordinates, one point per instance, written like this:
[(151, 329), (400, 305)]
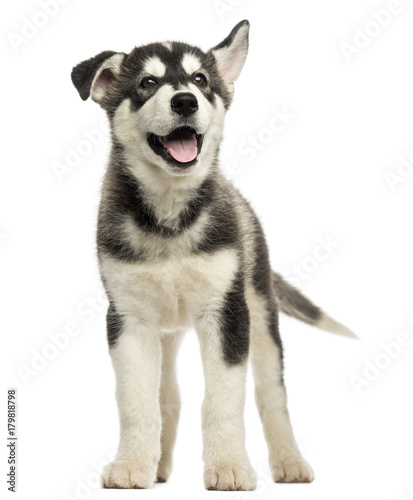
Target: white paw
[(293, 469), (129, 475), (163, 472), (230, 477)]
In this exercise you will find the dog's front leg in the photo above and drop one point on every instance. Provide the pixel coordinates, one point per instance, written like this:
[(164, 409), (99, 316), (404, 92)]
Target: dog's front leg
[(136, 358), (226, 464)]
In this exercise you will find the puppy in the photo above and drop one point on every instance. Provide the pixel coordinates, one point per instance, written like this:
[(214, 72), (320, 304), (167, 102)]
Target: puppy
[(179, 248)]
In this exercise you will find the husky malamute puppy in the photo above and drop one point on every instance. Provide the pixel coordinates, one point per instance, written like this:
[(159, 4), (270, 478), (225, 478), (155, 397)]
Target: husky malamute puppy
[(179, 247)]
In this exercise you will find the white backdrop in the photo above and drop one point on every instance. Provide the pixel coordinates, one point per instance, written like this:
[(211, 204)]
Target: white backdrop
[(338, 173)]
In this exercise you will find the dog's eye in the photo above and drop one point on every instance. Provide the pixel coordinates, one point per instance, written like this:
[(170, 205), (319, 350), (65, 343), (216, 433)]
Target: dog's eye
[(200, 79), (148, 82)]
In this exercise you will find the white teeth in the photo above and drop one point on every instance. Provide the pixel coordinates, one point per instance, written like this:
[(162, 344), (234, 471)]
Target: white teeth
[(163, 138)]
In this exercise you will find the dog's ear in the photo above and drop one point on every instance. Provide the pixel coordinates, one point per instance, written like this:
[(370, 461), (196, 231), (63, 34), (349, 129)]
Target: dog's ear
[(230, 54), (95, 76)]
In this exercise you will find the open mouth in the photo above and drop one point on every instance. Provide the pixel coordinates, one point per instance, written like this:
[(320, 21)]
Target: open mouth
[(180, 148)]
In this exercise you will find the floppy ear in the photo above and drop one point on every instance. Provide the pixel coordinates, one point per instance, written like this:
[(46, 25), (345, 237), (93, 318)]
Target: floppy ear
[(95, 76), (230, 54)]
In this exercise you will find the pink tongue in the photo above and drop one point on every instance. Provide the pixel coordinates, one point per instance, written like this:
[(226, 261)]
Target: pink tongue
[(182, 146)]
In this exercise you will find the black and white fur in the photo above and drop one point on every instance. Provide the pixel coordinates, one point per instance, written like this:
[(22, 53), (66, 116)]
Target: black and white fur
[(179, 247)]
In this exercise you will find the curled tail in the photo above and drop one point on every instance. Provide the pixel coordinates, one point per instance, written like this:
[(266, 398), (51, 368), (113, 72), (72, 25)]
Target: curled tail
[(293, 303)]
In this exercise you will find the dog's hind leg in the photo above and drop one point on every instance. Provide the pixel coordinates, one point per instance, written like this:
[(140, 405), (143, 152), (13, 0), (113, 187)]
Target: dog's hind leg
[(170, 402), (286, 463)]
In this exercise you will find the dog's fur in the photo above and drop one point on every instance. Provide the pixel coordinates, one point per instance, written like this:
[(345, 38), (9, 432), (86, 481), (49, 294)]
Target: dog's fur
[(179, 247)]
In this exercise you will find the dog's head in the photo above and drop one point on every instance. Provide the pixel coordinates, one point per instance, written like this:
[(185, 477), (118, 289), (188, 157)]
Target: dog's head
[(166, 101)]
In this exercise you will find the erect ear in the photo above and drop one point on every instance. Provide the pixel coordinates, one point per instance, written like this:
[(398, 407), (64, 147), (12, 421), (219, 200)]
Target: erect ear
[(95, 76), (230, 54)]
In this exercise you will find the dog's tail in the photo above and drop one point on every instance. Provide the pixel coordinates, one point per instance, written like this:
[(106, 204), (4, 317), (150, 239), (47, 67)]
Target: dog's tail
[(293, 303)]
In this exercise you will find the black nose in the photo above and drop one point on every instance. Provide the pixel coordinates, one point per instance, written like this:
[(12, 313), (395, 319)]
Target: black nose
[(184, 103)]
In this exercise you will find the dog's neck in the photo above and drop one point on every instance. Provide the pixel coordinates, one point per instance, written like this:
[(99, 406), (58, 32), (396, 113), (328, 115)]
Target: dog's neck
[(168, 197)]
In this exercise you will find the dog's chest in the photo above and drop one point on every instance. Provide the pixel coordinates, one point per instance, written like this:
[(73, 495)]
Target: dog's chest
[(173, 293)]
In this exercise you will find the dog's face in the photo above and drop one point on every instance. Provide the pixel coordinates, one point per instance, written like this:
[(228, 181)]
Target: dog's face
[(166, 101)]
